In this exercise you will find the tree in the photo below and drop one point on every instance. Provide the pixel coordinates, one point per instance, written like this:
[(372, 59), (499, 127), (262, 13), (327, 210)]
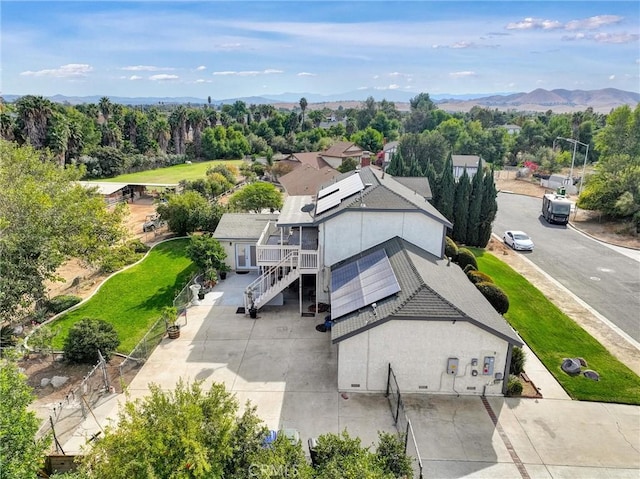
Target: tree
[(86, 337), (368, 139), (256, 197), (349, 164), (184, 213), (45, 219), (206, 252), (33, 117), (475, 207), (21, 454), (303, 107), (461, 208), (186, 433), (488, 210), (446, 191)]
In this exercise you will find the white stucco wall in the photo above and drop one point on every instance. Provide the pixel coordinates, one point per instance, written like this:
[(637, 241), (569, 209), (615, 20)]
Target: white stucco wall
[(418, 353), (354, 231)]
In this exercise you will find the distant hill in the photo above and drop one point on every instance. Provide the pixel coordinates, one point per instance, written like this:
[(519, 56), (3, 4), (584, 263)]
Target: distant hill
[(537, 100)]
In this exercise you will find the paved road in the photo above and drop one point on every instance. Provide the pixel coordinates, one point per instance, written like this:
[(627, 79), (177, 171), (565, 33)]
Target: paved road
[(603, 278)]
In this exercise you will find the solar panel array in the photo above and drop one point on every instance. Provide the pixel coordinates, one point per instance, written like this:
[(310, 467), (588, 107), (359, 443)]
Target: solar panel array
[(333, 194), (362, 282)]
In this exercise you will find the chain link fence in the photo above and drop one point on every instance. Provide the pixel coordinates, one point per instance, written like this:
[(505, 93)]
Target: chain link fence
[(78, 404), (403, 424)]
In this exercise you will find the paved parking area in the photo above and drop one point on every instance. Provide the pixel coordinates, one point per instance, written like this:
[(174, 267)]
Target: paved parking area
[(289, 371)]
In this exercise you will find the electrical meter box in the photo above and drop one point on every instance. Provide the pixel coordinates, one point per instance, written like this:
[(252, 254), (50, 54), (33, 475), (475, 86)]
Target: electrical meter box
[(487, 365), (452, 366)]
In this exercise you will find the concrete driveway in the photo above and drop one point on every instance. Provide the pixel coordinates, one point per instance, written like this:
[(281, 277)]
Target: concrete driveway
[(288, 370)]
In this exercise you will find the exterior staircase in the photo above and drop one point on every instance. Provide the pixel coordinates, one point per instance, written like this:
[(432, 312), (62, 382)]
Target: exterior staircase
[(272, 281)]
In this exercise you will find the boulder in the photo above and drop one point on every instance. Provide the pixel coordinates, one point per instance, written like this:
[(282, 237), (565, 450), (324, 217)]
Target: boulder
[(58, 381), (44, 382)]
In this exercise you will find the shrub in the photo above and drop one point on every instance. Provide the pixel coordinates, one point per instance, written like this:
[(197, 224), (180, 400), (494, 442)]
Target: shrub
[(517, 361), (88, 336), (468, 268), (466, 257), (61, 303), (478, 276), (514, 386), (122, 255), (495, 296), (450, 249), (392, 455)]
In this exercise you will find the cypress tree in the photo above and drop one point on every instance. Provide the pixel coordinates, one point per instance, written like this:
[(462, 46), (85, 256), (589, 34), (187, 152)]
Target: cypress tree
[(395, 165), (446, 191), (461, 208), (415, 169), (489, 209), (475, 207), (433, 183)]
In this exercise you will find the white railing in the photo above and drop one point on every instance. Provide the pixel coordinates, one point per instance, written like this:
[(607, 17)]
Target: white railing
[(272, 281)]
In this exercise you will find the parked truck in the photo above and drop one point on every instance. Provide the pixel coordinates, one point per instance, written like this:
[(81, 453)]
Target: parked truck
[(556, 207)]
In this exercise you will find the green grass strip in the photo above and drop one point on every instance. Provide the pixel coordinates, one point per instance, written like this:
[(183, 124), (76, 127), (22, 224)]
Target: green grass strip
[(552, 336), (132, 299), (173, 174)]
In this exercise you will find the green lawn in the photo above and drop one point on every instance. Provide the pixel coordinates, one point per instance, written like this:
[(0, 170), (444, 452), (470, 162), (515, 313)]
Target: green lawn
[(132, 299), (552, 336), (172, 174)]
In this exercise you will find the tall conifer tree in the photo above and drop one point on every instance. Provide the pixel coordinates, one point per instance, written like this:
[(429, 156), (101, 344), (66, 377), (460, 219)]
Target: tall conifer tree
[(461, 208), (489, 209), (446, 191), (475, 207)]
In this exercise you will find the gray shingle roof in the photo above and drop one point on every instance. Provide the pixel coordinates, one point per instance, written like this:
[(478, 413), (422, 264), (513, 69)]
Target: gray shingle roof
[(381, 192), (430, 290), (238, 226), (419, 184), (470, 161)]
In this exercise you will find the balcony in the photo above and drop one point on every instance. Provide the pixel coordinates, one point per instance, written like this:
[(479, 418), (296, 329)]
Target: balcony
[(276, 243)]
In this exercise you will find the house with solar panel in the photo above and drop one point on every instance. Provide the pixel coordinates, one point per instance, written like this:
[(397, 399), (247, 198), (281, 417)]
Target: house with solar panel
[(372, 247)]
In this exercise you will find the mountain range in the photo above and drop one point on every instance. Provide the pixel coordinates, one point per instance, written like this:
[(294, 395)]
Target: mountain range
[(558, 100)]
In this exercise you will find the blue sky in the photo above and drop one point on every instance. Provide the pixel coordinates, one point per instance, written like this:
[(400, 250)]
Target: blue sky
[(236, 49)]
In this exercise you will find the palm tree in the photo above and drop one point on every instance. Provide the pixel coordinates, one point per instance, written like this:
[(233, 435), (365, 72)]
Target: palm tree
[(178, 123), (161, 132), (196, 119), (106, 107), (303, 107), (34, 113)]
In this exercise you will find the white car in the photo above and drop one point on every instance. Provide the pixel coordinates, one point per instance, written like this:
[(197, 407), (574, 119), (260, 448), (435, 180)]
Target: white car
[(518, 240)]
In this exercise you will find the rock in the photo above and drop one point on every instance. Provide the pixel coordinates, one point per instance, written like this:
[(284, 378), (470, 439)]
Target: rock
[(57, 381), (44, 382)]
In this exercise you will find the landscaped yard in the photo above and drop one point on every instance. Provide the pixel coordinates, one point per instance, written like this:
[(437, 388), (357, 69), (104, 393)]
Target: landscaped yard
[(132, 299), (553, 336), (173, 174)]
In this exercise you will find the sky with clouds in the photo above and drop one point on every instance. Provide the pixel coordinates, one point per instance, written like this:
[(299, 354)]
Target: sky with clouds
[(235, 49)]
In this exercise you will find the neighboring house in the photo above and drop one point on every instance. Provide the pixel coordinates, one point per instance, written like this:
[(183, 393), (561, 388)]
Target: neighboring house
[(383, 158), (313, 159), (373, 249), (417, 184), (239, 233), (511, 129), (306, 180), (340, 151), (460, 162)]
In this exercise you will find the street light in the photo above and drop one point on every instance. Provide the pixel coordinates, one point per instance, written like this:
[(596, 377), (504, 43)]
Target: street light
[(573, 159)]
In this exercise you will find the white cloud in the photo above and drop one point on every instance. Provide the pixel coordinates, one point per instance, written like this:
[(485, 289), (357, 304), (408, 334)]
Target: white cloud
[(612, 77), (247, 73), (530, 23), (592, 23), (616, 37), (201, 80), (146, 68), (612, 38), (163, 77), (71, 70), (462, 74), (201, 67), (390, 87), (306, 74), (135, 77)]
